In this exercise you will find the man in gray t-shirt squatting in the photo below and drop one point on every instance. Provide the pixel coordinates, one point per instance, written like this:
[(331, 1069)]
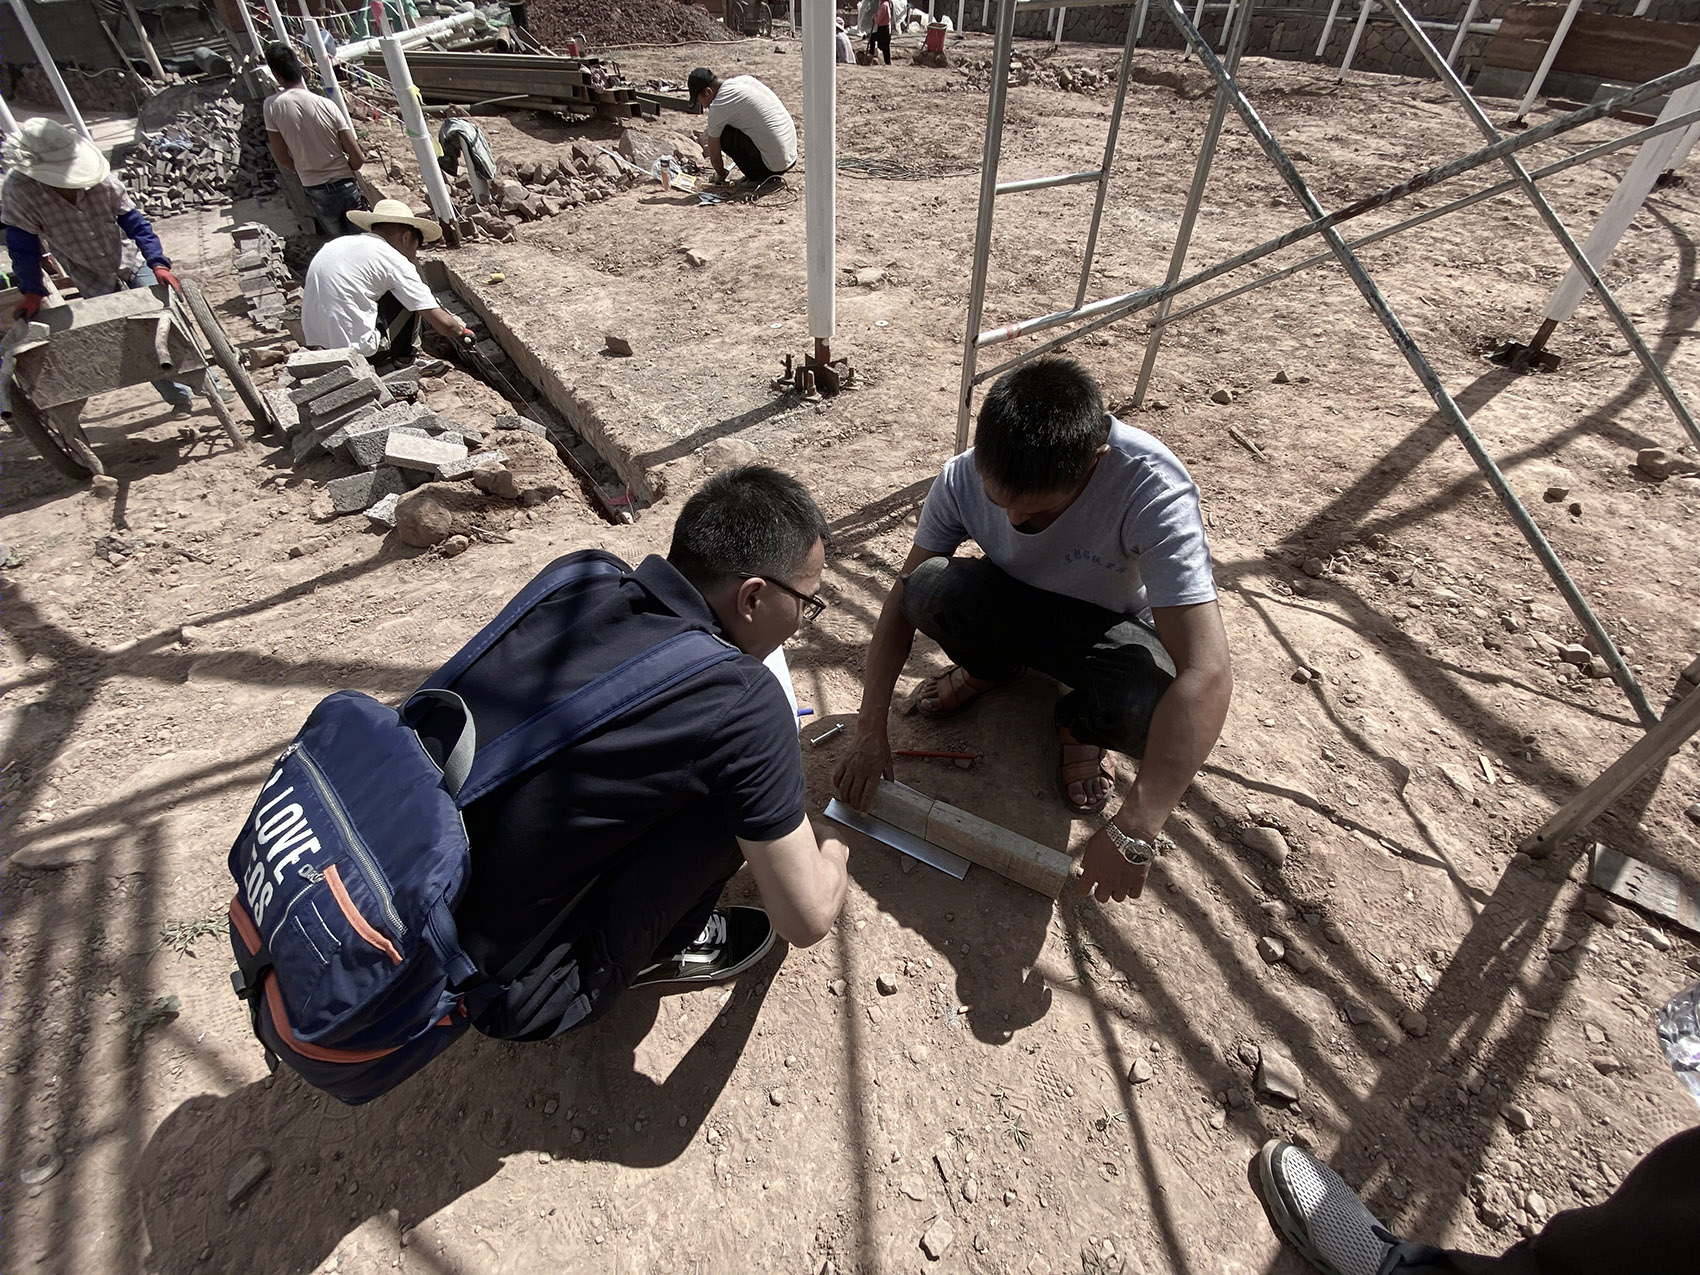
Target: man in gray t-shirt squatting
[(1096, 572)]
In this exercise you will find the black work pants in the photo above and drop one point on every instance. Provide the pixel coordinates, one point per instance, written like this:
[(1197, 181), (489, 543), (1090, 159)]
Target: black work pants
[(398, 329), (1115, 667), (880, 42), (1648, 1225), (645, 906), (739, 147)]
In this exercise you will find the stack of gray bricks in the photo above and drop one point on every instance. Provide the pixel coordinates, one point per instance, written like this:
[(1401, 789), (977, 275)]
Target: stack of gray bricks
[(331, 403), (267, 286)]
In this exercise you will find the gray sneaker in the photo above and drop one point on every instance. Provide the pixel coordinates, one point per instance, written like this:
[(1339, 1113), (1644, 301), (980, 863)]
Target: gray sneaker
[(1321, 1216), (731, 941)]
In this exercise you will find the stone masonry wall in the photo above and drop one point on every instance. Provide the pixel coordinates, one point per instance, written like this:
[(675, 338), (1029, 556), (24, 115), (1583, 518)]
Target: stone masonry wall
[(1291, 31)]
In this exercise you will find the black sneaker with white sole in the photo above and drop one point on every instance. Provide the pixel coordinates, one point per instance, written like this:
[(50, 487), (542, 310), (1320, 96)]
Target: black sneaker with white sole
[(732, 940)]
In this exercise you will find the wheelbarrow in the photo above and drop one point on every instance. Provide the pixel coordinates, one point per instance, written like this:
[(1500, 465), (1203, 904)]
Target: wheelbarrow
[(94, 345)]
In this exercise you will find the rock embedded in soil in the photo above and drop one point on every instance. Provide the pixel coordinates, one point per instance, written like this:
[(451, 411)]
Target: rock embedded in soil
[(422, 520), (1517, 1117), (1600, 908), (1221, 394), (245, 1179), (1415, 1023), (1271, 949), (971, 1190), (618, 346), (1554, 495), (886, 984), (1655, 462), (1278, 1076), (937, 1239), (1266, 841), (1141, 1072)]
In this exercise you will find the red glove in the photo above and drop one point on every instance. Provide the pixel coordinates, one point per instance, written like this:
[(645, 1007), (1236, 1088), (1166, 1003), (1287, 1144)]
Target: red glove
[(162, 274), (468, 337), (28, 305)]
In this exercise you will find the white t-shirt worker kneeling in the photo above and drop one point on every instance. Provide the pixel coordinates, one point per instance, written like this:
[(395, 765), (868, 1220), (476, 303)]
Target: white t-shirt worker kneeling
[(345, 282)]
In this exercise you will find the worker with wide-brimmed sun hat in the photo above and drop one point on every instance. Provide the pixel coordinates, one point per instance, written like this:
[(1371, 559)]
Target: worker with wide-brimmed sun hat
[(365, 291), (60, 196)]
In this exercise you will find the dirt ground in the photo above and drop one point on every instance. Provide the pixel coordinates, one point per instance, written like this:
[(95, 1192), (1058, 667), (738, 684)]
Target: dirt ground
[(1069, 1087)]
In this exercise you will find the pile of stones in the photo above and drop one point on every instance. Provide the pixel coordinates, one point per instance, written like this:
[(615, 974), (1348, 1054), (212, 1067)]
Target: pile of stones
[(205, 157), (1025, 70), (267, 284), (330, 402), (534, 189)]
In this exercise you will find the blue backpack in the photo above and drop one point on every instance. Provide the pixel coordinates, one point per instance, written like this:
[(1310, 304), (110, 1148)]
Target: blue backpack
[(350, 866)]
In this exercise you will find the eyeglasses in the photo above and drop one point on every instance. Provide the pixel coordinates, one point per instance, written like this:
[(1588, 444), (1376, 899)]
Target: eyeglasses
[(813, 603)]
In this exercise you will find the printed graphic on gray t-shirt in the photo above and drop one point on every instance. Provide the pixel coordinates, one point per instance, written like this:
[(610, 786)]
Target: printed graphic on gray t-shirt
[(1132, 540)]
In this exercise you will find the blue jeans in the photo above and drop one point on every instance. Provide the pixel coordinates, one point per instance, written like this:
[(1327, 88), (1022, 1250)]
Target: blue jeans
[(332, 202)]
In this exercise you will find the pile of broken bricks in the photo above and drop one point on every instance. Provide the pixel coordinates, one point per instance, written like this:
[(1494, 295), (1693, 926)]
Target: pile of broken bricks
[(331, 402), (266, 282)]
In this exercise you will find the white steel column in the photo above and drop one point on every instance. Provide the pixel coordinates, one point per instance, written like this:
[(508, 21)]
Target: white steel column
[(1228, 25), (413, 120), (327, 73), (8, 124), (961, 13), (820, 167), (248, 25), (1056, 40), (280, 33), (1139, 22), (1653, 158), (52, 71), (1327, 26), (1463, 30), (148, 50), (1357, 35), (1547, 59)]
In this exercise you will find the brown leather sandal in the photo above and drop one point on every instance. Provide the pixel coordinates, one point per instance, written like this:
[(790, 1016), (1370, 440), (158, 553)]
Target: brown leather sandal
[(953, 690), (1081, 768)]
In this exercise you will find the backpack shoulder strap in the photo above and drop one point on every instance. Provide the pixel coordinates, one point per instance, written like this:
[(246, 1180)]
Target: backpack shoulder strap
[(564, 722), (571, 569)]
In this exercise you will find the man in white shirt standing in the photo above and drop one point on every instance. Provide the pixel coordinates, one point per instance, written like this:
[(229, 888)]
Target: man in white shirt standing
[(747, 124), (365, 291), (309, 136)]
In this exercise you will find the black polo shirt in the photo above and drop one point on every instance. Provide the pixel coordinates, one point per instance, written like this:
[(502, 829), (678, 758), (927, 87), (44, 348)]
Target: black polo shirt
[(723, 742)]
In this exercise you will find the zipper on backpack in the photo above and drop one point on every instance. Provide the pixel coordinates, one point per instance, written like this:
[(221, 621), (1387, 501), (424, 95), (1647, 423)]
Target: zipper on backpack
[(356, 846)]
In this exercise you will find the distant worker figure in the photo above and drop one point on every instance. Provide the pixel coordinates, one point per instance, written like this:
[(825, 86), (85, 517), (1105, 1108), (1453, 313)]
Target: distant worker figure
[(880, 39), (365, 291), (309, 136), (846, 52), (747, 123), (60, 196)]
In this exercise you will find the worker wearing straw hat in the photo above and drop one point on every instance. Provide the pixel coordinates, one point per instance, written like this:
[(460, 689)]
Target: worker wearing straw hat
[(60, 196), (365, 291)]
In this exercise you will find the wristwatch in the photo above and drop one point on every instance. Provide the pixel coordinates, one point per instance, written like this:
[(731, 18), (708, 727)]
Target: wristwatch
[(1136, 850)]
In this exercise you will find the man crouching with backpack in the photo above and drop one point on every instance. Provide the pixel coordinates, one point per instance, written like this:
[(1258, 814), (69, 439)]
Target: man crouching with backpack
[(600, 869)]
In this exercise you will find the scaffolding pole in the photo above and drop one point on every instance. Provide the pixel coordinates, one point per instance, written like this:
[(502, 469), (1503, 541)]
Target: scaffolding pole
[(1620, 210), (1104, 169), (8, 123), (1357, 35), (1414, 356), (1625, 324), (1328, 26), (327, 73), (1463, 30), (1547, 59), (1457, 205), (1194, 199), (1120, 306), (148, 51), (50, 68), (997, 94), (413, 123)]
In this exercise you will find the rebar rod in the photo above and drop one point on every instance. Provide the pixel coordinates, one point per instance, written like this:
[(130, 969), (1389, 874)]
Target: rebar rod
[(1104, 171), (1608, 299), (1194, 199), (1129, 301), (997, 94), (1457, 205), (1414, 356)]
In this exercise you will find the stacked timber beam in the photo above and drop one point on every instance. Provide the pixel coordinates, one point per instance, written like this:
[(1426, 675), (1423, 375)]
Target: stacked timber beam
[(582, 86)]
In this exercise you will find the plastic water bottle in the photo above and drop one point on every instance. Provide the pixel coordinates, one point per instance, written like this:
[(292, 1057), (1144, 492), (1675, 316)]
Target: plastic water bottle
[(1679, 1034)]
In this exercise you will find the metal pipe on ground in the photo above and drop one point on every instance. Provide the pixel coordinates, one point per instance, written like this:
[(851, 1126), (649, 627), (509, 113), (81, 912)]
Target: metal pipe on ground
[(413, 121), (50, 68), (1414, 356)]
